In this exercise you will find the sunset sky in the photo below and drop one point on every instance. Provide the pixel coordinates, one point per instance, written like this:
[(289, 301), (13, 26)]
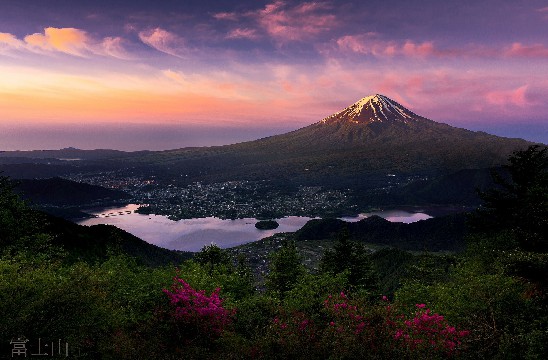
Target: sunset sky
[(138, 74)]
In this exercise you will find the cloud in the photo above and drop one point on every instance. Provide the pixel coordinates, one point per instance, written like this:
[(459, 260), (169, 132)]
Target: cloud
[(66, 40), (226, 16), (176, 76), (113, 47), (419, 50), (370, 44), (528, 51), (544, 12), (516, 97), (69, 41), (282, 21), (301, 22), (243, 33), (163, 41), (367, 44), (8, 40)]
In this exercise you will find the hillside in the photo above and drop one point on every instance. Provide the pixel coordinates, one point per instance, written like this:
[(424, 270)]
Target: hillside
[(444, 233), (61, 192), (94, 243)]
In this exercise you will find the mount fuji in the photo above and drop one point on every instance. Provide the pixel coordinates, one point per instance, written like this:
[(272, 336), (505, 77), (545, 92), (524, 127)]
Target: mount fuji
[(374, 136)]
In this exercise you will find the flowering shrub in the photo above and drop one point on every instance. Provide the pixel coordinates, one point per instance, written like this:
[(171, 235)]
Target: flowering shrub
[(355, 331), (295, 335), (429, 332), (197, 311)]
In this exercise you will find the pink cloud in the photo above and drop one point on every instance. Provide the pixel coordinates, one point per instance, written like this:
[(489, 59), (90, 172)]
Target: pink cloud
[(544, 12), (529, 51), (370, 44), (418, 50), (226, 16), (286, 23), (362, 44), (517, 97), (113, 47), (243, 33), (163, 41)]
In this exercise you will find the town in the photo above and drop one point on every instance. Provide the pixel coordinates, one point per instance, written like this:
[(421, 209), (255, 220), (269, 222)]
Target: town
[(225, 200)]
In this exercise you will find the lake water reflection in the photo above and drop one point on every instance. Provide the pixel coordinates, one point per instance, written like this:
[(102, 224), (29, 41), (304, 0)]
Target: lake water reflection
[(193, 234)]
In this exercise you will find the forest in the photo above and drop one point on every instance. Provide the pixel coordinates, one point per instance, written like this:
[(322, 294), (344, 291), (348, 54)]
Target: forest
[(488, 300)]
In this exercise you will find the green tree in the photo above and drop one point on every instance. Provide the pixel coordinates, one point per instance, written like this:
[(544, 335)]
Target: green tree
[(22, 230), (353, 258), (212, 256), (285, 269), (519, 202)]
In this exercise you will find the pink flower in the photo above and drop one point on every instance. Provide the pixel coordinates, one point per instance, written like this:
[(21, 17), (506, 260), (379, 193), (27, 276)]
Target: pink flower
[(195, 308)]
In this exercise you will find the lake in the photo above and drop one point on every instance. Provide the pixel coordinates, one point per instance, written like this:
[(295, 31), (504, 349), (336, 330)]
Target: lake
[(193, 234)]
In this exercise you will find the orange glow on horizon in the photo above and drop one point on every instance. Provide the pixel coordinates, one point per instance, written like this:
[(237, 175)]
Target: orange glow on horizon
[(40, 97)]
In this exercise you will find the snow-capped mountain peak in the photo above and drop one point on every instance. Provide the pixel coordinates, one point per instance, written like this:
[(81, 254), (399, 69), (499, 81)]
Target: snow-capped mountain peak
[(374, 108)]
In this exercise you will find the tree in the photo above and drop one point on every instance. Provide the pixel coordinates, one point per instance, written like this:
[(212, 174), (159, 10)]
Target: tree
[(21, 228), (285, 269), (212, 256), (351, 257), (519, 203)]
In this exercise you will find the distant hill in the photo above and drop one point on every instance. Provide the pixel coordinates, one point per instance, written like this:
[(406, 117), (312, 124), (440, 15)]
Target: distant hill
[(67, 154), (436, 234), (62, 192), (458, 188)]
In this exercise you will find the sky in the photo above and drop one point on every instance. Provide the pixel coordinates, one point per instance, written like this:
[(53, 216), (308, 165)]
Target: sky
[(155, 75)]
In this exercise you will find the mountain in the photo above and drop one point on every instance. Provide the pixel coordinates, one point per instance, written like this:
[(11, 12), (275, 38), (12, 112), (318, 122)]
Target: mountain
[(372, 147), (374, 109), (373, 137)]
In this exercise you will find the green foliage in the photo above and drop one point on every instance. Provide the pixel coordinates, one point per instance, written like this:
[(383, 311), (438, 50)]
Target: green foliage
[(212, 256), (520, 203), (21, 228), (491, 306), (352, 258), (310, 291), (285, 269), (392, 266)]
